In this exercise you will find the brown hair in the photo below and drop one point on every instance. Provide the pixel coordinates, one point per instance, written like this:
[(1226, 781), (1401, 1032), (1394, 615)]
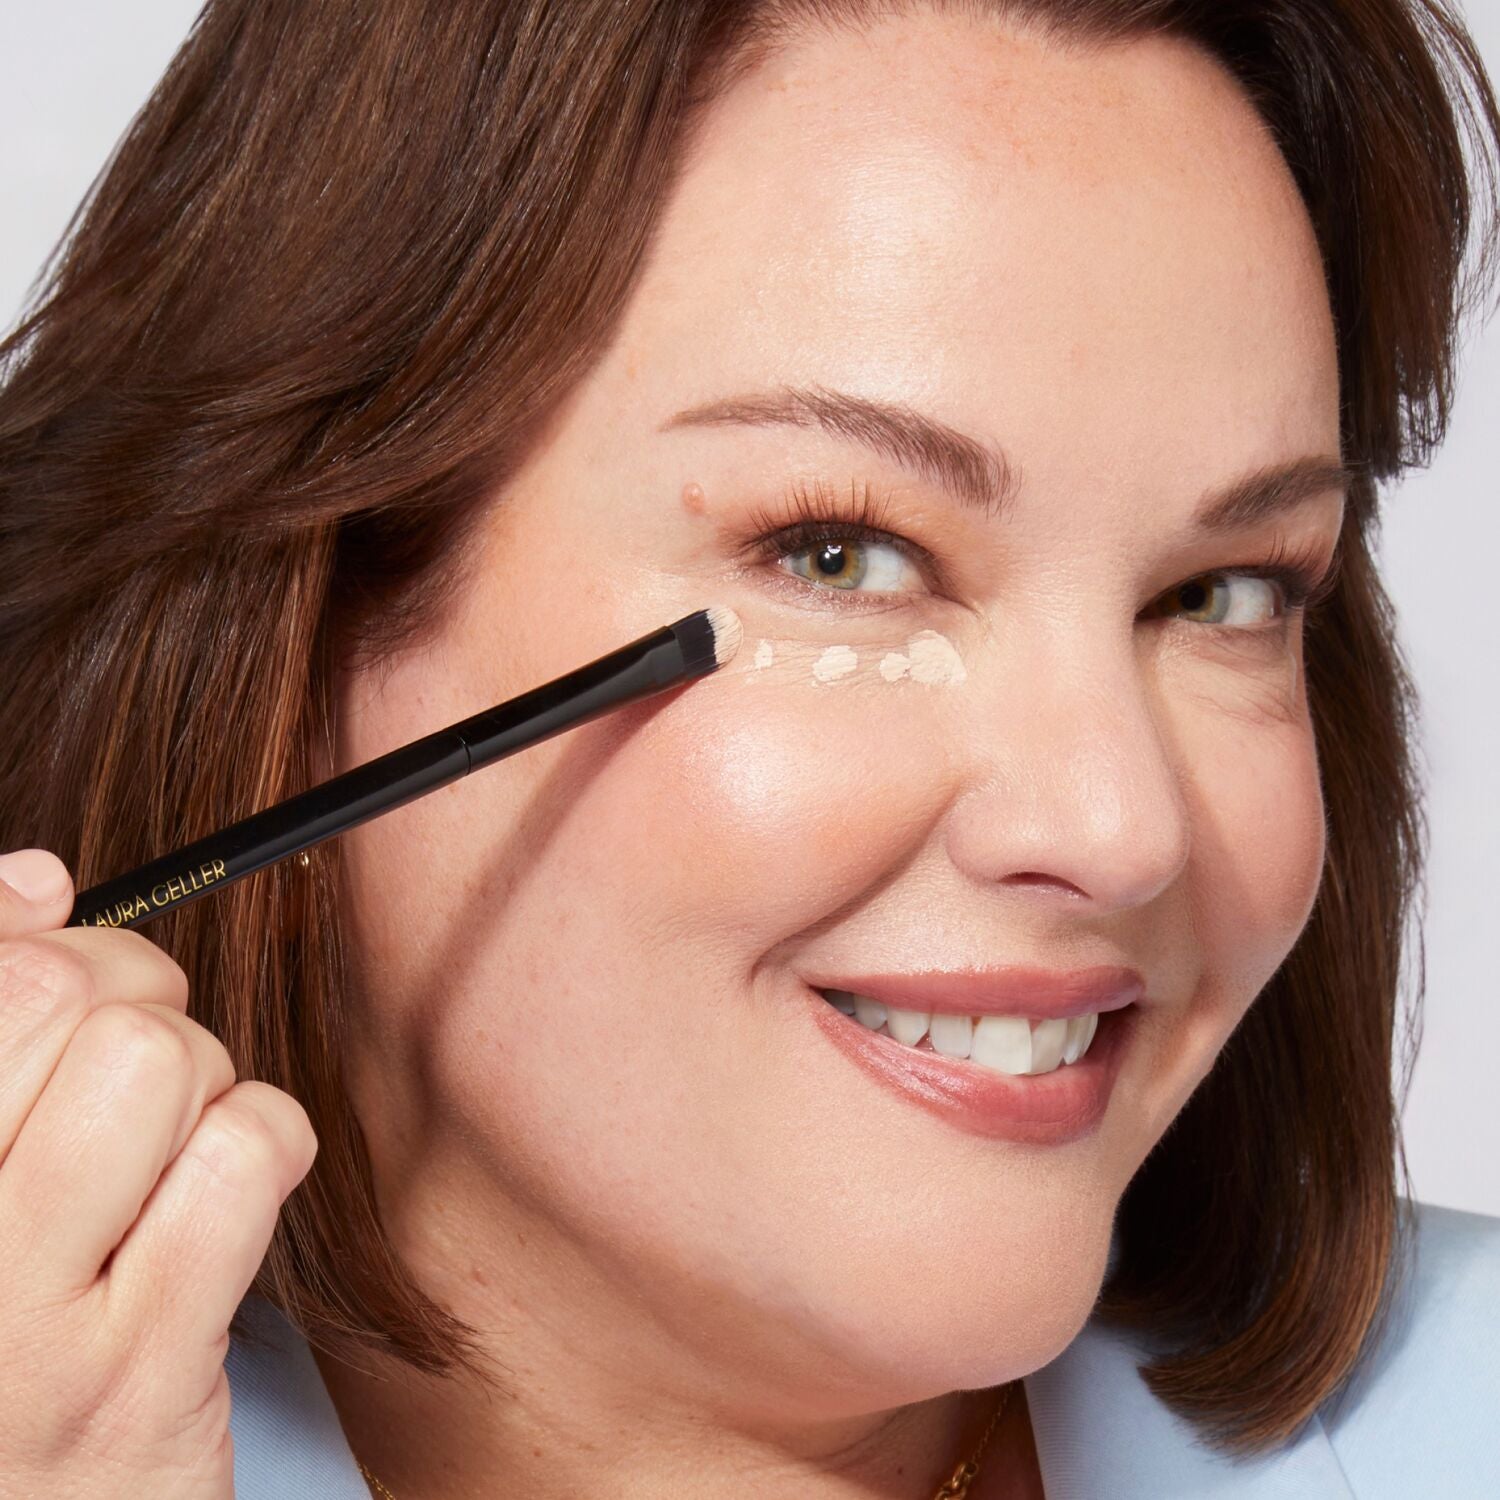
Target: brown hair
[(313, 314)]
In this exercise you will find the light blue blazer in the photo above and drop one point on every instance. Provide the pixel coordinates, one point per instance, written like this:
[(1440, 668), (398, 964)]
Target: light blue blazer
[(1422, 1422)]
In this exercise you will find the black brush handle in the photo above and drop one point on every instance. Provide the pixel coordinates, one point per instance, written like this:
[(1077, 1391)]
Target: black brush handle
[(651, 664)]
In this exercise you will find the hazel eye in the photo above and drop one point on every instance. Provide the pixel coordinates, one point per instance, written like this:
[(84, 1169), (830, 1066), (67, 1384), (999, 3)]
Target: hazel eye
[(850, 565), (1207, 600)]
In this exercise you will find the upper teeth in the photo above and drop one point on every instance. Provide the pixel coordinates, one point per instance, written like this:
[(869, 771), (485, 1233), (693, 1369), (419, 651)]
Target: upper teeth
[(1008, 1044)]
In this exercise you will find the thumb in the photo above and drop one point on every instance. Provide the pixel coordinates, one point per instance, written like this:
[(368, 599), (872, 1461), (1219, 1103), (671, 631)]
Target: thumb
[(36, 892)]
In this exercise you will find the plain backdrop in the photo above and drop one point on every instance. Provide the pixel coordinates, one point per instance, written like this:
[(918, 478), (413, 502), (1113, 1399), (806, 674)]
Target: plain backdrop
[(73, 72)]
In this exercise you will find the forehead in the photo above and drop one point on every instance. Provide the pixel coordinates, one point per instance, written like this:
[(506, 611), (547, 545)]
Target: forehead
[(1029, 240)]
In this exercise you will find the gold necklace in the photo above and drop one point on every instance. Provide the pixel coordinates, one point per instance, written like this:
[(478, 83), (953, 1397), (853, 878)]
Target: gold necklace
[(955, 1487)]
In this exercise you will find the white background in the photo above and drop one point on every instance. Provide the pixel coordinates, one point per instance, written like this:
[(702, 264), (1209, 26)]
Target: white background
[(73, 72)]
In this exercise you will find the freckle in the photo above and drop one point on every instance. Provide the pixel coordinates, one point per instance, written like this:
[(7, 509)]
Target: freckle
[(693, 498), (836, 661), (763, 654)]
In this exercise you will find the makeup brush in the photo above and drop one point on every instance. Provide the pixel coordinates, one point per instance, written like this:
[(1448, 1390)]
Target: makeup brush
[(692, 647)]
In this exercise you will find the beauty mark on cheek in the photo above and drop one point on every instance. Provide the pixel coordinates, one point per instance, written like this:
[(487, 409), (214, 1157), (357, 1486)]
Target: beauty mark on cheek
[(929, 658)]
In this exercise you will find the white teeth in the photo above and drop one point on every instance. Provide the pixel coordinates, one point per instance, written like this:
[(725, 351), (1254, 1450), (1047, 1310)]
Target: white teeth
[(908, 1026), (1047, 1038), (1071, 1041), (953, 1036), (1009, 1044), (1003, 1043), (1081, 1031)]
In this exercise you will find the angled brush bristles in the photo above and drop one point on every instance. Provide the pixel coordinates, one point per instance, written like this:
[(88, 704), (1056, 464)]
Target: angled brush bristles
[(728, 632)]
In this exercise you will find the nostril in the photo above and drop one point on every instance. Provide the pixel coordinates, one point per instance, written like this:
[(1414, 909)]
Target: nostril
[(1038, 877)]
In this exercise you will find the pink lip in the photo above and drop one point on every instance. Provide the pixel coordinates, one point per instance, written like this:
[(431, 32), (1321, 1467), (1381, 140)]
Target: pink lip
[(1047, 1109), (1014, 990)]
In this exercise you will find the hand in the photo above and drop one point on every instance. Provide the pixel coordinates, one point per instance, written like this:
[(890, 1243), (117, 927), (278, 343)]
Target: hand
[(139, 1187)]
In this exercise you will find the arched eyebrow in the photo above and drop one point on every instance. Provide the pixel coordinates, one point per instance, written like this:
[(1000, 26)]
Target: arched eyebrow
[(977, 473)]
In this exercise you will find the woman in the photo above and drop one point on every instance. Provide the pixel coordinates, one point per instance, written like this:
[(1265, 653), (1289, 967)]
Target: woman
[(1021, 376)]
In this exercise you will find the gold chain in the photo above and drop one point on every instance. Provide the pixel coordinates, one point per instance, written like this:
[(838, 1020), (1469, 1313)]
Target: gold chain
[(375, 1485), (955, 1487)]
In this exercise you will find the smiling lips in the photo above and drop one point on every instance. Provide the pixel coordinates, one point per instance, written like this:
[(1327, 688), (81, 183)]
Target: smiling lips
[(955, 1043)]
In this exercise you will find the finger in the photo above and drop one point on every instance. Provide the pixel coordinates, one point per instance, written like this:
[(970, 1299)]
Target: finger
[(48, 984), (36, 892), (189, 1258), (120, 1105)]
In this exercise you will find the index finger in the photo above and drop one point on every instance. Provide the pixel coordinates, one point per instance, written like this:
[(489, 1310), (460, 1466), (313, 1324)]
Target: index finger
[(48, 983)]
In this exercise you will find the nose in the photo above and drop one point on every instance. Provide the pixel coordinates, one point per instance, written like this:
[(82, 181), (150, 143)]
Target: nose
[(1070, 786)]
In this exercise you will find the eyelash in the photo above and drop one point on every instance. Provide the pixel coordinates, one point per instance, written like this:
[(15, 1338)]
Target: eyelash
[(807, 519)]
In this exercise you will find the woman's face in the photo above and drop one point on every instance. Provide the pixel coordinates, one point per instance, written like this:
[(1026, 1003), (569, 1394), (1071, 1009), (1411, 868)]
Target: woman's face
[(602, 1099)]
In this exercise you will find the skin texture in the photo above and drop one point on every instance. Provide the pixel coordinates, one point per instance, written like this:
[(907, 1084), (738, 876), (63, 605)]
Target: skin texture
[(710, 1254)]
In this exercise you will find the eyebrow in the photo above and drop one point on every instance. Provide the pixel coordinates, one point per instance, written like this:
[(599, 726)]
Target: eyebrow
[(976, 473)]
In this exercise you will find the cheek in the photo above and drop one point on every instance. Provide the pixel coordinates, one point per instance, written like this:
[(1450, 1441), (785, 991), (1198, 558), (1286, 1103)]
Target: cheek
[(1247, 767), (772, 802), (1258, 835), (654, 856), (691, 836)]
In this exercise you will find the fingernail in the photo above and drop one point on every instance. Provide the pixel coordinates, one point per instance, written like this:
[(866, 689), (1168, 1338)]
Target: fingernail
[(36, 874)]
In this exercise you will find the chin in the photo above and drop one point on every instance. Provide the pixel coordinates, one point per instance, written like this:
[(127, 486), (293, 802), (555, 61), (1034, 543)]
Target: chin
[(994, 1322)]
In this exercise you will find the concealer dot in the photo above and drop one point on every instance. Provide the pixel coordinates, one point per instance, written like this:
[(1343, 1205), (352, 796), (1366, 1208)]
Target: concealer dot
[(836, 661), (930, 657)]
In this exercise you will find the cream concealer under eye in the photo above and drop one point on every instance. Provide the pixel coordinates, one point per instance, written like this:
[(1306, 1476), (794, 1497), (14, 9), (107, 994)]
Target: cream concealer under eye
[(927, 658)]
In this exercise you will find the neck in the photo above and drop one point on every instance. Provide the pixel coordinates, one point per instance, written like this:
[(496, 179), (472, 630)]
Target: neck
[(429, 1438)]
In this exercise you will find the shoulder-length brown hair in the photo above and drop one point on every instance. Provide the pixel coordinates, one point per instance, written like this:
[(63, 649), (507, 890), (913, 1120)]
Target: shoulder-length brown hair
[(344, 264)]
